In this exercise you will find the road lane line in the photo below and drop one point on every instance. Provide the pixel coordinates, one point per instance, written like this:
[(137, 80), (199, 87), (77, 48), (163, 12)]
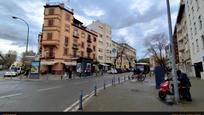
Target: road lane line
[(12, 95), (45, 89), (74, 104)]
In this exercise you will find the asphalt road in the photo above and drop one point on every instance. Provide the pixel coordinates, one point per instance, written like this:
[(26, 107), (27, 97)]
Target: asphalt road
[(2, 73), (51, 95)]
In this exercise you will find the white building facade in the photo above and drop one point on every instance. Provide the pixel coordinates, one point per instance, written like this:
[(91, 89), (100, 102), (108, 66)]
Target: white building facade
[(195, 26), (185, 63), (104, 42)]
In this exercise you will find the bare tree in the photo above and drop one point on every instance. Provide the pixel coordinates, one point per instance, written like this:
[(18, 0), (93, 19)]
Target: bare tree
[(9, 58), (155, 45)]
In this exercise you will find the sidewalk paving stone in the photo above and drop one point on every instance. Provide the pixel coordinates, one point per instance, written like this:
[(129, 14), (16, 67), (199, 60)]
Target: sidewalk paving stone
[(143, 97)]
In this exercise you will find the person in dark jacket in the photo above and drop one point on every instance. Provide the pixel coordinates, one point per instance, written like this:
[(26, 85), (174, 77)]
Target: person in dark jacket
[(185, 82)]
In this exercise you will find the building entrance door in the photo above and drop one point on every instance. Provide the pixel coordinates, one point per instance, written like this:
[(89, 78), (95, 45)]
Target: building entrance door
[(198, 68), (49, 68)]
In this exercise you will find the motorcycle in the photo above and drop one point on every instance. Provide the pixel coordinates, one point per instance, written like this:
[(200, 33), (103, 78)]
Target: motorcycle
[(167, 89)]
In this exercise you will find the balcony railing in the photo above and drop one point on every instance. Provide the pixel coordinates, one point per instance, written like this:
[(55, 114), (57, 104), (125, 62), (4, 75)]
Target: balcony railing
[(75, 46), (76, 34), (50, 42)]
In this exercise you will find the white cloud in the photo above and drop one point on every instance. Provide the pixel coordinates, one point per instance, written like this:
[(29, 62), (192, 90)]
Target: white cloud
[(6, 45), (96, 12), (34, 10), (141, 5), (86, 21)]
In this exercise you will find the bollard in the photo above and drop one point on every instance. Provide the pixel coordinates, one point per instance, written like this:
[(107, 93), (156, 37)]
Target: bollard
[(104, 84), (112, 82), (47, 77), (95, 90), (128, 77), (80, 100), (124, 78), (61, 77), (118, 80)]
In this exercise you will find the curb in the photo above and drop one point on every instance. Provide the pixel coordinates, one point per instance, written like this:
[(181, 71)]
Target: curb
[(75, 106)]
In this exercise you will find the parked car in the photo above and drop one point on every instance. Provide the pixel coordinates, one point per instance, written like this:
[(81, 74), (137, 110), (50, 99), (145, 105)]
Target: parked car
[(10, 73), (112, 71)]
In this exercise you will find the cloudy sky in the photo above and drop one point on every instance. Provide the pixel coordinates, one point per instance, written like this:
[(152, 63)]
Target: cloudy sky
[(132, 20)]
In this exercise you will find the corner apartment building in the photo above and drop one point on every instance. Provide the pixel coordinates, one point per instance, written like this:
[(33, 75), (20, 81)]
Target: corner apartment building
[(128, 55), (104, 42), (65, 41), (194, 10), (183, 41)]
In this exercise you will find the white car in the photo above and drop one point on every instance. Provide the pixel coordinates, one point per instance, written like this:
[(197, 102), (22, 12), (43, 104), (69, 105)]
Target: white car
[(10, 74), (112, 71)]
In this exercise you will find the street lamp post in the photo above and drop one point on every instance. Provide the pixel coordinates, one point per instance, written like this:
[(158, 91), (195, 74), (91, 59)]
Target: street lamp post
[(173, 54), (27, 31)]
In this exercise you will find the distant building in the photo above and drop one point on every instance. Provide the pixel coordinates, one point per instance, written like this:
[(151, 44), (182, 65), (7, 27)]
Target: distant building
[(65, 41), (128, 55), (104, 43)]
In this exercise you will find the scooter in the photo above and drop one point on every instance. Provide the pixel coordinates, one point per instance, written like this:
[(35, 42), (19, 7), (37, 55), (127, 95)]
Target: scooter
[(167, 89)]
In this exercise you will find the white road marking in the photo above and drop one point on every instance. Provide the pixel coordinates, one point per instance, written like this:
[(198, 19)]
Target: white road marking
[(74, 104), (12, 95), (45, 89)]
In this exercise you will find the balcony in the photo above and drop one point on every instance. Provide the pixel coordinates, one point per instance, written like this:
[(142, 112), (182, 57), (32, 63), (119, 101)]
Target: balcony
[(181, 48), (75, 46), (89, 41), (76, 34), (50, 42), (89, 50)]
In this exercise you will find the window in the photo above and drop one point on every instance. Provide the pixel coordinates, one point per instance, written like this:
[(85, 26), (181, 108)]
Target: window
[(94, 48), (197, 45), (200, 21), (67, 28), (197, 5), (51, 11), (74, 53), (193, 48), (100, 57), (202, 40), (82, 34), (82, 54), (49, 36), (195, 28), (94, 39), (82, 45), (65, 51), (101, 35), (94, 56), (50, 22), (66, 41)]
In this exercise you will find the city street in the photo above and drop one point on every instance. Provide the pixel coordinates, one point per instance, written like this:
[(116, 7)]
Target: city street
[(47, 95)]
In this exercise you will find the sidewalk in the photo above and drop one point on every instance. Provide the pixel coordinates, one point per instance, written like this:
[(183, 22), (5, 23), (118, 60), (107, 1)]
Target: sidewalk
[(143, 97)]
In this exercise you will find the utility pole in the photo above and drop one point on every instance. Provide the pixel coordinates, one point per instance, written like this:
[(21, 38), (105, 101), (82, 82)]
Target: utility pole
[(173, 54)]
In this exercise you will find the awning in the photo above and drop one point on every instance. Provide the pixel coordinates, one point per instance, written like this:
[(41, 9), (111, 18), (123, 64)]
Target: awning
[(103, 64), (47, 62), (73, 63)]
